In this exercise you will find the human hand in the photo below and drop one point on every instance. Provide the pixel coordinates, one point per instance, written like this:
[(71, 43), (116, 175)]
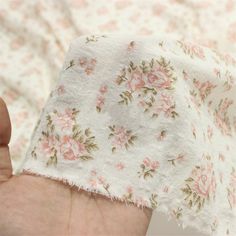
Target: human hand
[(37, 206)]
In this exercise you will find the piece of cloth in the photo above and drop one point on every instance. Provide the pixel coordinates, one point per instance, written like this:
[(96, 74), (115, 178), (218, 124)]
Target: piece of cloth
[(148, 120), (35, 36)]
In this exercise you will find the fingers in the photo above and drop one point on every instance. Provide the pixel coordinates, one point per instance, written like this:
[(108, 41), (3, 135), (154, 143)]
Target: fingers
[(5, 124), (5, 135)]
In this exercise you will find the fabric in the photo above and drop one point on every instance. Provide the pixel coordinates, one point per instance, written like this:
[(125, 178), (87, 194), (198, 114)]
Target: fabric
[(149, 120), (35, 36)]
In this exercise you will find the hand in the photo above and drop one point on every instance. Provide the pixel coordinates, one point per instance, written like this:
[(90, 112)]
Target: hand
[(37, 206)]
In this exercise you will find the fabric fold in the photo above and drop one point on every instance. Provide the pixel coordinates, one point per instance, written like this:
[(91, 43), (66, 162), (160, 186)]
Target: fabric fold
[(147, 120)]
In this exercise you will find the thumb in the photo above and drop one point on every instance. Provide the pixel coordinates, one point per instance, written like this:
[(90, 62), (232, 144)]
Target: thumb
[(5, 135)]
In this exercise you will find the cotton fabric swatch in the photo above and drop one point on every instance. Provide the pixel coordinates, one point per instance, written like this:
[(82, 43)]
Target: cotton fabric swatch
[(148, 120)]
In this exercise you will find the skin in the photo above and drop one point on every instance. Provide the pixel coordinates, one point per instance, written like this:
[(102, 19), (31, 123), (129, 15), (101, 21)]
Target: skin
[(33, 205)]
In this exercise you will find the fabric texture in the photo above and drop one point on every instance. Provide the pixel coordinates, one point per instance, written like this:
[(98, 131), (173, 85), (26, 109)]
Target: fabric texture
[(35, 36), (148, 120)]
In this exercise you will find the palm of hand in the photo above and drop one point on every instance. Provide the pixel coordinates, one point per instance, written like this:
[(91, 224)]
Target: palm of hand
[(30, 205), (37, 206)]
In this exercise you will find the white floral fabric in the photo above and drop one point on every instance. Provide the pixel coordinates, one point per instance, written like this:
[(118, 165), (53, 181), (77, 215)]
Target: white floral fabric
[(149, 120), (35, 36)]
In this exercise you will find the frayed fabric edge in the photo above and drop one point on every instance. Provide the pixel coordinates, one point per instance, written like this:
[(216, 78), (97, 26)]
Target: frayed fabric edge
[(88, 190), (161, 208)]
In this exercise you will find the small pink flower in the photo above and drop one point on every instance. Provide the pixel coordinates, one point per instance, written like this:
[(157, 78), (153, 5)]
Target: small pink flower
[(101, 179), (136, 81), (147, 162), (194, 50), (61, 89), (205, 182), (158, 78), (129, 189), (154, 165), (165, 104), (71, 149), (64, 120), (47, 144), (93, 182), (120, 136), (83, 61), (93, 172), (221, 123), (158, 9), (100, 101), (141, 202), (88, 65), (198, 51), (103, 89), (120, 166)]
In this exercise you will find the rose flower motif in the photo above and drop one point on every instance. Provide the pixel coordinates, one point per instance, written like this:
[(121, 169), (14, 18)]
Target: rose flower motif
[(136, 81), (71, 149)]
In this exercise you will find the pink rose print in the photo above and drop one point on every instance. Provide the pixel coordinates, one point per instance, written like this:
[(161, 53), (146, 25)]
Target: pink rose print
[(78, 144), (149, 79), (200, 186), (136, 81), (148, 168), (120, 166), (204, 88), (158, 78), (121, 137), (103, 89), (226, 58), (88, 64), (221, 116), (61, 89), (95, 181), (63, 120), (205, 182), (48, 144), (165, 105), (71, 149), (100, 99), (192, 50), (100, 103)]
